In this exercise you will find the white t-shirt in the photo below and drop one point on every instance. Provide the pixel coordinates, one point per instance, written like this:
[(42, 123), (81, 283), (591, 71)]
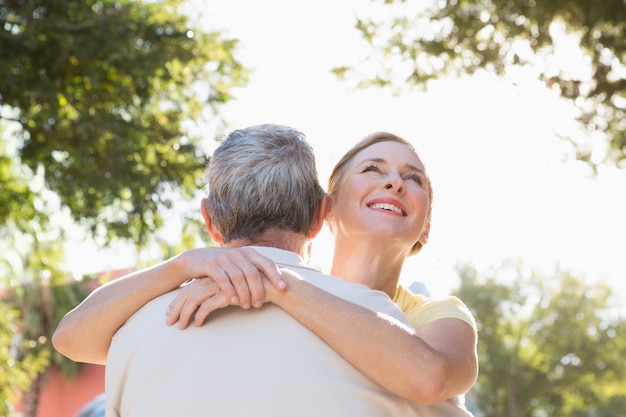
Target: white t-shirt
[(257, 362)]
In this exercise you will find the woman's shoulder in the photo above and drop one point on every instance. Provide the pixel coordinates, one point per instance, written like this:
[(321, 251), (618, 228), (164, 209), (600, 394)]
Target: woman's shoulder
[(421, 309)]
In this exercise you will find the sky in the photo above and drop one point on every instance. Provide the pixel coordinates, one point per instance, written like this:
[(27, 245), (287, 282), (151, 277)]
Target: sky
[(506, 187)]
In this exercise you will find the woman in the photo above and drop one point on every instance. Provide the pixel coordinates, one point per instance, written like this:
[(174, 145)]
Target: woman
[(380, 214)]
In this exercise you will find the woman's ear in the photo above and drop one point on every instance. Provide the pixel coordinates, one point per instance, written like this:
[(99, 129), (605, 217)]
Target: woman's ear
[(215, 234), (424, 237), (330, 217), (320, 216)]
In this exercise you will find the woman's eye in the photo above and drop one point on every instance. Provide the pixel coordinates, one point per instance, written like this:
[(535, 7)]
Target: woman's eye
[(415, 178), (371, 168)]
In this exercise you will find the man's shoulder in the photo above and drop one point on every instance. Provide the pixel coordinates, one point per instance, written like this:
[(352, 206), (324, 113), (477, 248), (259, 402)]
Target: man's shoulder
[(355, 293), (360, 294)]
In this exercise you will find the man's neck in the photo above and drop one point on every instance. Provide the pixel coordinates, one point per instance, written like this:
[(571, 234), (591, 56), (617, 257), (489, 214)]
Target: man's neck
[(289, 241)]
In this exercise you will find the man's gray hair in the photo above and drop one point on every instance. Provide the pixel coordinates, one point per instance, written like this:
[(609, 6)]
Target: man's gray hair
[(263, 177)]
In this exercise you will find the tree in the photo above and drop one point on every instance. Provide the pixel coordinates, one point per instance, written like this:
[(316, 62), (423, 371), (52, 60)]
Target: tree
[(42, 297), (102, 107), (14, 375), (416, 42), (548, 345), (106, 94)]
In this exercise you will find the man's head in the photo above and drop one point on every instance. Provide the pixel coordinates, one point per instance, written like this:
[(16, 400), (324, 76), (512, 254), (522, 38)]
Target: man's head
[(262, 178)]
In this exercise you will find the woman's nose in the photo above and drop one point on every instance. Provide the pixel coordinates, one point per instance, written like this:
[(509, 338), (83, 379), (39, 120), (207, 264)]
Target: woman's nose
[(395, 182)]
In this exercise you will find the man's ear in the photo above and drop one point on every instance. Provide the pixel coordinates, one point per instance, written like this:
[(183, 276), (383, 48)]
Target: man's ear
[(320, 216), (215, 234)]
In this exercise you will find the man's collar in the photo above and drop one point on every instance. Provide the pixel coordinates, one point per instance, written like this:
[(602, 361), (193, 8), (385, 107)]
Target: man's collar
[(282, 257)]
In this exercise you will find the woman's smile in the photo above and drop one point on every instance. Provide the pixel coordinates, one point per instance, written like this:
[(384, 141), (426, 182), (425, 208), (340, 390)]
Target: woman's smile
[(388, 206)]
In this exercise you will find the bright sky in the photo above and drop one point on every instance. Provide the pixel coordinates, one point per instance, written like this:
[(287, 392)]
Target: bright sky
[(502, 186)]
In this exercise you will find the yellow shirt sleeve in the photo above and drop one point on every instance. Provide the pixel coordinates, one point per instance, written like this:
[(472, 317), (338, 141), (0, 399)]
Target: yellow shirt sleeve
[(421, 310)]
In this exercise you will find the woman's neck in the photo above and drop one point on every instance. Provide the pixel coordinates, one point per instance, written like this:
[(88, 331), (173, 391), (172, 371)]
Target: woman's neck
[(373, 265)]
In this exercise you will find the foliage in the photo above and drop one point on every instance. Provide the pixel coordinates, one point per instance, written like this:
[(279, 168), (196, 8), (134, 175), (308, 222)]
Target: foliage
[(15, 192), (106, 92), (415, 42), (38, 294), (103, 109), (14, 375), (548, 345)]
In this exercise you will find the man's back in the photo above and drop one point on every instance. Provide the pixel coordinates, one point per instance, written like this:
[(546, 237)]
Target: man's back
[(257, 362)]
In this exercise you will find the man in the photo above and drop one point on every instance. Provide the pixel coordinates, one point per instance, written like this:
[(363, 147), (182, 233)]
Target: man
[(263, 192)]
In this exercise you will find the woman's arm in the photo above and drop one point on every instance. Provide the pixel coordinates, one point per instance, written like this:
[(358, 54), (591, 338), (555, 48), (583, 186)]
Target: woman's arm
[(432, 364), (85, 333)]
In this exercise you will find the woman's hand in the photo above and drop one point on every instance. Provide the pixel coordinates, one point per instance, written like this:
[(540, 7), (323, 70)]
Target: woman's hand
[(223, 277), (196, 300), (238, 273)]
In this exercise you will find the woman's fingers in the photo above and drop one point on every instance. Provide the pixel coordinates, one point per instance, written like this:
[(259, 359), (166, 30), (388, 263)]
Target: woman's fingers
[(232, 277), (207, 307), (190, 298), (242, 271)]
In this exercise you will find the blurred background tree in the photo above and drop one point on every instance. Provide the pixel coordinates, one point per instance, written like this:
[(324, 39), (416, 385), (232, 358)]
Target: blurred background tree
[(104, 93), (548, 345), (104, 107), (415, 42)]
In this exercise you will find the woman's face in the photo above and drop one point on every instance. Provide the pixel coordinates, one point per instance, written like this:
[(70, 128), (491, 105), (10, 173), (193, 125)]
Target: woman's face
[(384, 194)]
